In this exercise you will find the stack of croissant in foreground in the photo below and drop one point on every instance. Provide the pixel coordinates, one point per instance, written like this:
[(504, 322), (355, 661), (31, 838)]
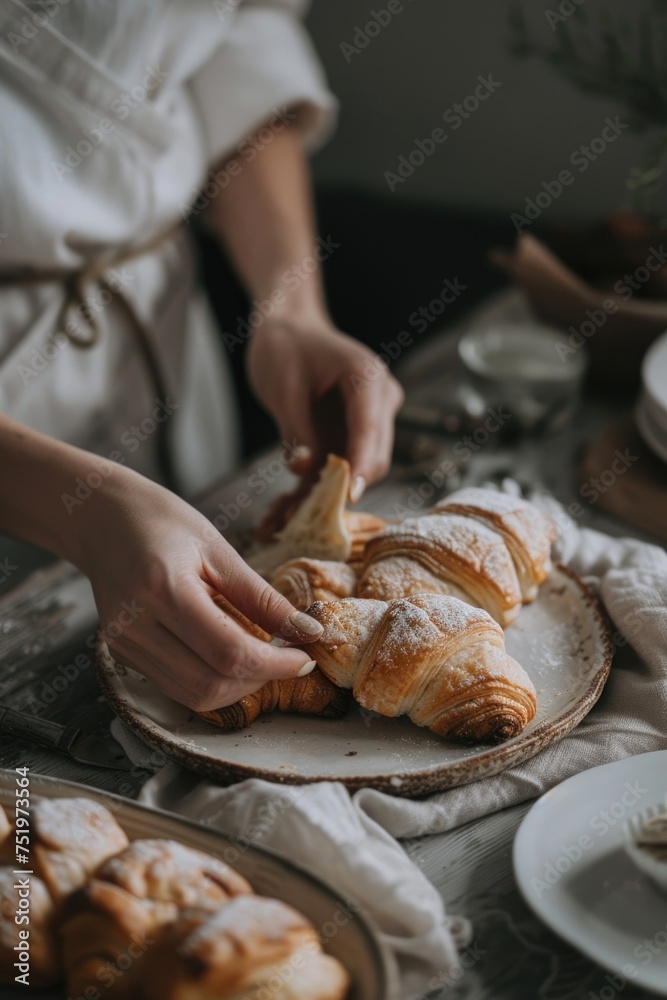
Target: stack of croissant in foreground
[(413, 612), (148, 920)]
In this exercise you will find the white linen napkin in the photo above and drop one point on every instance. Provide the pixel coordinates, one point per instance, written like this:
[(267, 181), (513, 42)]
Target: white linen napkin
[(349, 840)]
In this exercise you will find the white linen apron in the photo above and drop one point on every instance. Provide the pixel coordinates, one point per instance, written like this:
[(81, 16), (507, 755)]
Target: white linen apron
[(111, 114)]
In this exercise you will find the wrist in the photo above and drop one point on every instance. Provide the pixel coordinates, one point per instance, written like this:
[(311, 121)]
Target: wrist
[(309, 315), (291, 295)]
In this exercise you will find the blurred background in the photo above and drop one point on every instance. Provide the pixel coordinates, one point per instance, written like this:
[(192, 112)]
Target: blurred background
[(428, 57), (559, 294)]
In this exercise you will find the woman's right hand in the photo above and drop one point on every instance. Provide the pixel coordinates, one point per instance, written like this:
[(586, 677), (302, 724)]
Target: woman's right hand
[(155, 565)]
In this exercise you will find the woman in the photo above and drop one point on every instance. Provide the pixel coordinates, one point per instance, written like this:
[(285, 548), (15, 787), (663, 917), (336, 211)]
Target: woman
[(114, 117)]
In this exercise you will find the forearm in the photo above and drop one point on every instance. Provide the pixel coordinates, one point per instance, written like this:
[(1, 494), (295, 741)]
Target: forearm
[(45, 485), (266, 220)]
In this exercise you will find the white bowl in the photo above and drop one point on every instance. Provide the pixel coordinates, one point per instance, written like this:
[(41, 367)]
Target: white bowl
[(633, 828)]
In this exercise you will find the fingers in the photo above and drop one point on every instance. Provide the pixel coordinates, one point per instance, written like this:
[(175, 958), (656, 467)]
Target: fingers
[(370, 410), (183, 676), (295, 421), (223, 645), (258, 601)]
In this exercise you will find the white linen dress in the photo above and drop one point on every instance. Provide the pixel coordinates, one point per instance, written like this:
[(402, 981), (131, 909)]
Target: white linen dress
[(112, 115)]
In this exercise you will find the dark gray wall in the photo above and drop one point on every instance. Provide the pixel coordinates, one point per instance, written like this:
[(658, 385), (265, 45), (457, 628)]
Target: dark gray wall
[(429, 56)]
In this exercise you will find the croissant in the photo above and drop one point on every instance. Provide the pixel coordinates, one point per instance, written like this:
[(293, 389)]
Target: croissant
[(361, 527), (173, 873), (44, 962), (317, 529), (69, 839), (250, 949), (107, 934), (310, 695), (320, 527), (432, 657), (442, 554), (527, 532), (303, 581)]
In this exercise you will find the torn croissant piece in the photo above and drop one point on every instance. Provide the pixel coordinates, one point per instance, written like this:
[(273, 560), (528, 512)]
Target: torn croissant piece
[(303, 581), (69, 839), (441, 554), (33, 902), (250, 949), (431, 657), (106, 935), (310, 695), (361, 527), (317, 529), (527, 532), (170, 872)]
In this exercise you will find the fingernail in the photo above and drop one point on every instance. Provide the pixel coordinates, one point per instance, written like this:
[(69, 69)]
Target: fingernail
[(300, 453), (304, 623), (357, 488), (307, 668), (277, 641)]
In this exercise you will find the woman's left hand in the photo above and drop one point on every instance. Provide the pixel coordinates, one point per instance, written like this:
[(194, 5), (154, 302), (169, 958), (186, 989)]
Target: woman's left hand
[(326, 392)]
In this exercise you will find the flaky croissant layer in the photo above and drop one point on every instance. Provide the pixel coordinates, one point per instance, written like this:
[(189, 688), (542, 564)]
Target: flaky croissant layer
[(432, 657)]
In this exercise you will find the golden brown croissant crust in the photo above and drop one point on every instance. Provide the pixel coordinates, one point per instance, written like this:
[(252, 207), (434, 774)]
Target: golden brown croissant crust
[(152, 921), (434, 658), (191, 953), (69, 839), (303, 581), (527, 532), (171, 872), (107, 933), (310, 695), (446, 554), (252, 948)]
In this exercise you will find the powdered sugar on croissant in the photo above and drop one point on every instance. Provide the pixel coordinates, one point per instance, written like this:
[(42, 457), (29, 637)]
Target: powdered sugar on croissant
[(444, 554), (431, 657), (303, 581), (527, 532)]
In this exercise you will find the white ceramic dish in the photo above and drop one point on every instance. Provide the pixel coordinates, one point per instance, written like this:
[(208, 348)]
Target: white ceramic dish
[(562, 640), (651, 415), (355, 944), (649, 428), (645, 862), (572, 868)]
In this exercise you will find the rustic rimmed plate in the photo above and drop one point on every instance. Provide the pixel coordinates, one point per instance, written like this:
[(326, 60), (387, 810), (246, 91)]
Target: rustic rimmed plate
[(562, 641), (355, 943)]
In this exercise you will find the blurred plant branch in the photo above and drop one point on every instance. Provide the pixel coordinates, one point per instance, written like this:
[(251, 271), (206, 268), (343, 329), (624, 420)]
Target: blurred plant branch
[(619, 57)]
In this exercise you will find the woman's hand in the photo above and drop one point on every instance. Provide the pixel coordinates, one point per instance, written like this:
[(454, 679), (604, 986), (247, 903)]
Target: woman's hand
[(327, 392), (155, 565)]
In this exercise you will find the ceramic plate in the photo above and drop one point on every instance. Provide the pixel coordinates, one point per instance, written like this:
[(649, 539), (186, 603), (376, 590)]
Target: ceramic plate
[(371, 968), (573, 871), (562, 641)]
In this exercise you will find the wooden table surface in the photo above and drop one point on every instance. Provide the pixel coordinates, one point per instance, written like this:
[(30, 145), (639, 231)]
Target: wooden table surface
[(46, 620)]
